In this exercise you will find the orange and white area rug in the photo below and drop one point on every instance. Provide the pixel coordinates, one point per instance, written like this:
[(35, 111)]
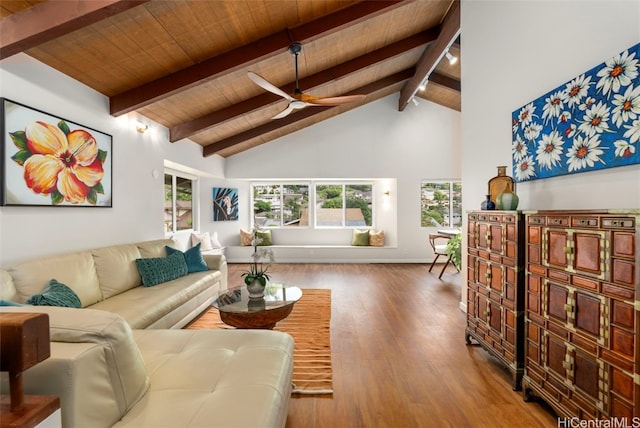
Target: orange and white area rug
[(309, 325)]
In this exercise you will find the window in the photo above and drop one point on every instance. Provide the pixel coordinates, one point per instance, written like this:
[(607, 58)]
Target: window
[(178, 202), (441, 203), (336, 204), (344, 205), (281, 205)]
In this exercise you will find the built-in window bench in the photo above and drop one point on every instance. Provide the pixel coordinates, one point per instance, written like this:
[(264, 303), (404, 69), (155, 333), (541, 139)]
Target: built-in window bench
[(315, 253)]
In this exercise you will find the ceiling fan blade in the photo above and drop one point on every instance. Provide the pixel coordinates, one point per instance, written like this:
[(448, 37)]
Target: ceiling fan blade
[(334, 101), (265, 84), (284, 112)]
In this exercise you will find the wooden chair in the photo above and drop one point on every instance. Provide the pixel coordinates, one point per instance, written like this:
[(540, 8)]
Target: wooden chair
[(438, 243)]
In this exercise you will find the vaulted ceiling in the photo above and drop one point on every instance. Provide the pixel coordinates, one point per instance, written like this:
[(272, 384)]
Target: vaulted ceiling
[(184, 63)]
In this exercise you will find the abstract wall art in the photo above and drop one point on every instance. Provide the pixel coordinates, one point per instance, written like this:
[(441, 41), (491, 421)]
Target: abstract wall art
[(225, 204), (590, 123), (50, 161)]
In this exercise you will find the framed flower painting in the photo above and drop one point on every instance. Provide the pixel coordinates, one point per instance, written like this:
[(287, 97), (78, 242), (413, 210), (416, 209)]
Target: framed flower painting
[(591, 122), (225, 204), (50, 161)]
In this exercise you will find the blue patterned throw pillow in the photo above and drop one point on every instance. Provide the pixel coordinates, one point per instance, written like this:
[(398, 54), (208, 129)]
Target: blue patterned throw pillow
[(56, 294), (156, 270), (193, 258)]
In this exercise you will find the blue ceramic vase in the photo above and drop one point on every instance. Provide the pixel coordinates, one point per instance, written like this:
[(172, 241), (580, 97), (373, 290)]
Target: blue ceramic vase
[(488, 204)]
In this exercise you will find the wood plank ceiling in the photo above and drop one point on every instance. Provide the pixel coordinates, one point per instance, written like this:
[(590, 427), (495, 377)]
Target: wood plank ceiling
[(184, 63)]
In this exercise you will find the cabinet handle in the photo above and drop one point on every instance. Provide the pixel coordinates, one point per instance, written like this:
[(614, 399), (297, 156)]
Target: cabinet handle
[(567, 365), (488, 237), (488, 274), (487, 313), (568, 250), (568, 307)]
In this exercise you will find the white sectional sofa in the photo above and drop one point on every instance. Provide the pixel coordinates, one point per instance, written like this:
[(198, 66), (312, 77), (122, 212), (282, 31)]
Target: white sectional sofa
[(108, 375), (107, 278), (121, 360)]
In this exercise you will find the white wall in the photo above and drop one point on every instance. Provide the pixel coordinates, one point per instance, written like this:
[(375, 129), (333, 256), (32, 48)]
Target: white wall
[(515, 51), (372, 142), (137, 213)]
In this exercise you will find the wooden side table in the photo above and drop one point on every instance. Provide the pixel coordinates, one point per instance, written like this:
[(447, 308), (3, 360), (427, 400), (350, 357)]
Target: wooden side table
[(42, 411), (25, 342)]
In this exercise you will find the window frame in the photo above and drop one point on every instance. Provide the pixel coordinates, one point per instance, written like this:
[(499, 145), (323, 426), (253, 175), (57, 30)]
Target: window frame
[(195, 201), (344, 184), (281, 185), (451, 206), (312, 201)]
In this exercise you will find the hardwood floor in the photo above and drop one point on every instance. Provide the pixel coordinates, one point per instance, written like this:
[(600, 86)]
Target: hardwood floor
[(399, 354)]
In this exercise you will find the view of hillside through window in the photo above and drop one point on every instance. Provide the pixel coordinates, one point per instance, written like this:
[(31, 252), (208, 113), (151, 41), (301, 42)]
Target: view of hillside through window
[(336, 205), (344, 205), (441, 204), (281, 205)]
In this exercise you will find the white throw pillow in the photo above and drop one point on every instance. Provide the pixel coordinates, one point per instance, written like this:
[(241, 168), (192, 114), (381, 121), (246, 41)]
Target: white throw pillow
[(215, 242), (203, 239)]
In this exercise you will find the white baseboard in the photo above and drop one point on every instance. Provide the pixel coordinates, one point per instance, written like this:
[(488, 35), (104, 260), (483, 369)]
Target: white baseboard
[(463, 307)]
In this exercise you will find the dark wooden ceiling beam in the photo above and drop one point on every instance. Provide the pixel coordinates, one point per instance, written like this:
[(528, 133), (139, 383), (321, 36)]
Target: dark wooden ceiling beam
[(305, 113), (445, 81), (46, 21), (187, 129), (245, 55), (450, 29)]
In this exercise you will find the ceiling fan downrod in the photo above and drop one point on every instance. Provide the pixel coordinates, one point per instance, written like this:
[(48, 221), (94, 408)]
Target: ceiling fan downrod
[(295, 49)]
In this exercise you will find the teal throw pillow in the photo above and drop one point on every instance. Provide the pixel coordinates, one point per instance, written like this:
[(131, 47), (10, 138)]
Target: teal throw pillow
[(265, 237), (193, 257), (360, 237), (56, 294), (156, 270), (9, 303)]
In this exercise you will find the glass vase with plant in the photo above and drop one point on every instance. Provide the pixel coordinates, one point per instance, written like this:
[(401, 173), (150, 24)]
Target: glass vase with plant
[(261, 260)]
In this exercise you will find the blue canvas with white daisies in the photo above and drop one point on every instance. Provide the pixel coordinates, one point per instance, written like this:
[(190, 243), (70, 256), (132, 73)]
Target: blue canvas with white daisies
[(592, 122)]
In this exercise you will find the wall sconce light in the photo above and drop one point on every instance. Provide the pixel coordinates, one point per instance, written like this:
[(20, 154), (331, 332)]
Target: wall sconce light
[(141, 127), (387, 193), (452, 59)]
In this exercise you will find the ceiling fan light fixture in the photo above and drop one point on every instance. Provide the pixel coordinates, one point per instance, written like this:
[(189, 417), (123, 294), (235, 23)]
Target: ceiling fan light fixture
[(452, 59)]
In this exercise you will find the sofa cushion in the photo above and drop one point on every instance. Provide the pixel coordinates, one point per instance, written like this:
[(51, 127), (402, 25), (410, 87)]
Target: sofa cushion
[(360, 237), (118, 376), (55, 294), (264, 236), (193, 258), (156, 270), (7, 289), (204, 239), (76, 270), (242, 366), (376, 239), (155, 248), (116, 268), (245, 237), (142, 307)]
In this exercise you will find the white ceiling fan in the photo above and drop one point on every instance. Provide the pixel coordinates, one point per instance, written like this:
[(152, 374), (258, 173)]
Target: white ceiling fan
[(299, 99)]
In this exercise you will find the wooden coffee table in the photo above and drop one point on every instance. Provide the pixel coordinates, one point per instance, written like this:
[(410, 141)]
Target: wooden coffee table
[(238, 310)]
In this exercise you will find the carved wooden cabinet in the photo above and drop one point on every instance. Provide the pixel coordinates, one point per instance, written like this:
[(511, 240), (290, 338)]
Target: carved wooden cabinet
[(582, 312), (495, 287)]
